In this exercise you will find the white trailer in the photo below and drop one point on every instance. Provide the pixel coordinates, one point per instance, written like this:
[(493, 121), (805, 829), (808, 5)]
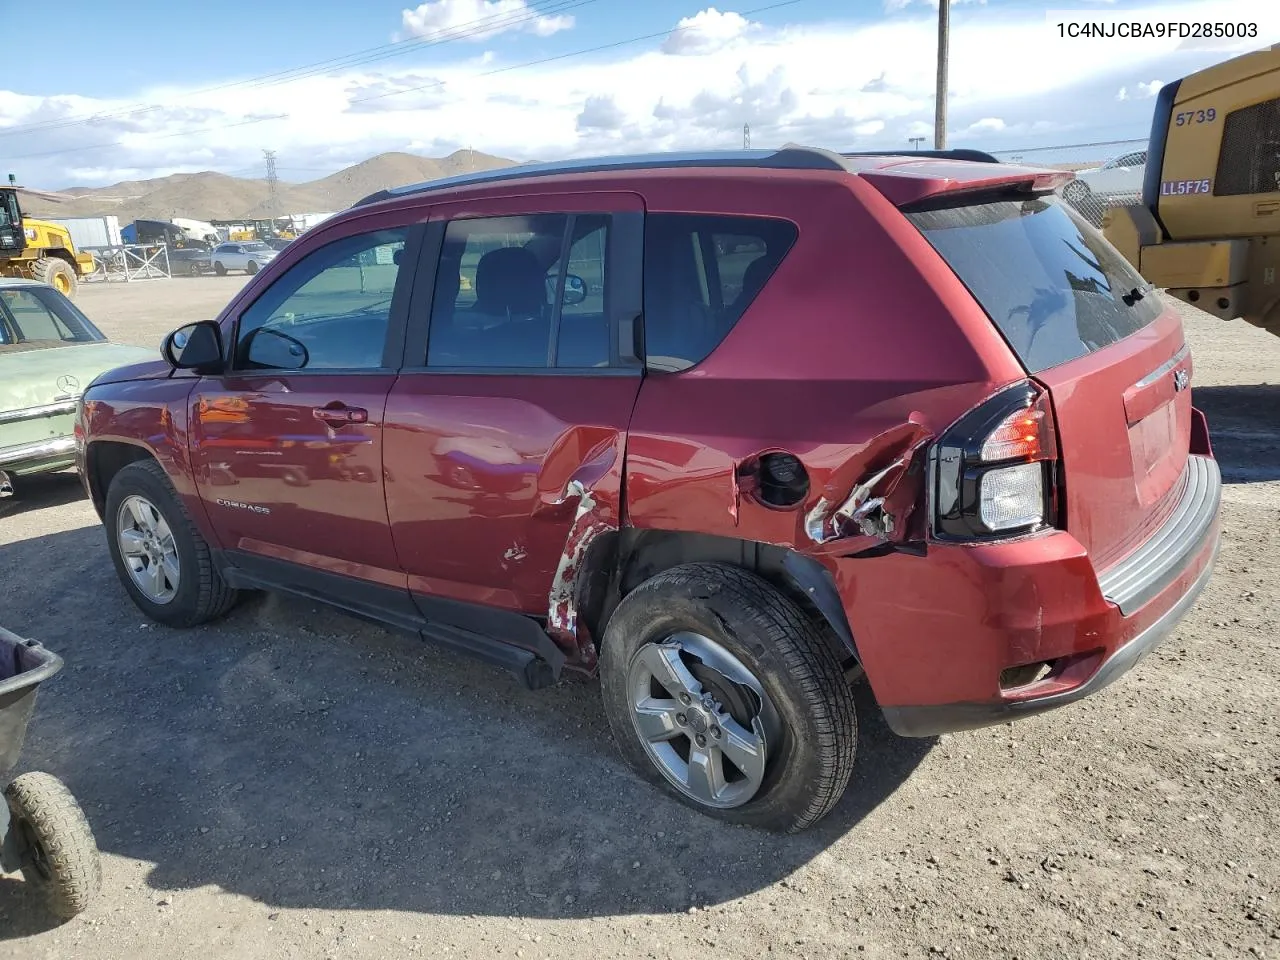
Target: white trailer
[(91, 233)]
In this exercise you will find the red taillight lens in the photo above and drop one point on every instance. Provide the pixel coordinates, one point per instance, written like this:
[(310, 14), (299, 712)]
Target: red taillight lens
[(1025, 434)]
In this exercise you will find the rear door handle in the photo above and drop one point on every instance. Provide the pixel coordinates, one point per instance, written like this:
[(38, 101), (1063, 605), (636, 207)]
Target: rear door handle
[(339, 413)]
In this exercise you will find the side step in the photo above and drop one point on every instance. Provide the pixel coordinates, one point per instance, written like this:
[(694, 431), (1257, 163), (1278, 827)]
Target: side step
[(462, 627), (529, 668)]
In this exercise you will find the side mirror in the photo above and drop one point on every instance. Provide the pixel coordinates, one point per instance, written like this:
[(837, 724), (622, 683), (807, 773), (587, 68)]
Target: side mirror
[(197, 346), (271, 349), (575, 290)]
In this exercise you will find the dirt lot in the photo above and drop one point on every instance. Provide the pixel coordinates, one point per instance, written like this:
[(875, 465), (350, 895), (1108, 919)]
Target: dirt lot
[(292, 783)]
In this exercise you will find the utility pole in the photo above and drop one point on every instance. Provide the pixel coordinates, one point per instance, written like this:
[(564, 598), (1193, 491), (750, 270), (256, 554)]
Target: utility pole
[(916, 140), (746, 136), (940, 102), (272, 182)]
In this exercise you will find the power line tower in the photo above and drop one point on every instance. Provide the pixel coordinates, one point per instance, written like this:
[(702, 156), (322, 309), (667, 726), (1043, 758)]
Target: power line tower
[(746, 136), (272, 181)]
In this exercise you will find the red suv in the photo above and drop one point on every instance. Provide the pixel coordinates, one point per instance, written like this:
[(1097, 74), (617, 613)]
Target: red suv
[(731, 430)]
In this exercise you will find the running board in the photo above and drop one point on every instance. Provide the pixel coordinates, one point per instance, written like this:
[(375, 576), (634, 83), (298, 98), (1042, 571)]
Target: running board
[(387, 607)]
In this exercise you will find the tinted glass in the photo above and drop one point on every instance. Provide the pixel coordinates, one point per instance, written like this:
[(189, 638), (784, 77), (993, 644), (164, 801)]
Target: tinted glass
[(495, 296), (335, 302), (583, 339), (700, 275), (35, 315), (1056, 289)]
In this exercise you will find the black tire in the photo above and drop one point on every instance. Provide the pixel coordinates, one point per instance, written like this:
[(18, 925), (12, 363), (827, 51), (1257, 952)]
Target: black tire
[(193, 269), (202, 594), (252, 268), (806, 772), (58, 274), (219, 269), (62, 867)]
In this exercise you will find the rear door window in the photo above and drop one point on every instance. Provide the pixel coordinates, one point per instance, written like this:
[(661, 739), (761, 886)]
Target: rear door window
[(1049, 281), (700, 274)]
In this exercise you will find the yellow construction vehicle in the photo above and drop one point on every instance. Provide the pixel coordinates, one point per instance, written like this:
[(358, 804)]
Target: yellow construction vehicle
[(1208, 227), (38, 249)]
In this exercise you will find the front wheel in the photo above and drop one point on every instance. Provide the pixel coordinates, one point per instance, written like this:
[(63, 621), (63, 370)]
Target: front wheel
[(219, 269), (721, 690), (252, 268), (159, 555), (60, 856)]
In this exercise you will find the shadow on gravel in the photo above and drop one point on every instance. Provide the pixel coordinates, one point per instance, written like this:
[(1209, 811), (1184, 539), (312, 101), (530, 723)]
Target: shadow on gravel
[(1244, 428), (306, 760), (45, 490)]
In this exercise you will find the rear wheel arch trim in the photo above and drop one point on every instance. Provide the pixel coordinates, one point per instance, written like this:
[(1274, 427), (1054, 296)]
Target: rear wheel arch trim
[(632, 556)]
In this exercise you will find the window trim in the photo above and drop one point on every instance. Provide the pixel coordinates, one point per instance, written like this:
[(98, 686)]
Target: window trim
[(393, 344), (624, 256)]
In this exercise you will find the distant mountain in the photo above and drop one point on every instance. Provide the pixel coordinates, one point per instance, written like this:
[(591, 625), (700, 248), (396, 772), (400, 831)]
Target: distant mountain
[(216, 196)]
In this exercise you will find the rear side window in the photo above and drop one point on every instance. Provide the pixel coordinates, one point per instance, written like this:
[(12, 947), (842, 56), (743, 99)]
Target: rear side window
[(35, 314), (523, 293), (1053, 286), (700, 275)]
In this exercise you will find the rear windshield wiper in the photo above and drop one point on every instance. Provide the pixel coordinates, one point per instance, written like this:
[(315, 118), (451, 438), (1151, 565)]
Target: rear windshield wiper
[(1132, 297)]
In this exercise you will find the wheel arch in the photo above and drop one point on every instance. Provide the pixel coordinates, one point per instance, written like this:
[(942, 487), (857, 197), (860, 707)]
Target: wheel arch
[(106, 458), (620, 560)]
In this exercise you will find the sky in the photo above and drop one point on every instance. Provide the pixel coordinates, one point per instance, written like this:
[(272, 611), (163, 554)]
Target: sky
[(325, 84)]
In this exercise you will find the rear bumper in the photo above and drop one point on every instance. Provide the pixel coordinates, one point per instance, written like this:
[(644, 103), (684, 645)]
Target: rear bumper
[(936, 643)]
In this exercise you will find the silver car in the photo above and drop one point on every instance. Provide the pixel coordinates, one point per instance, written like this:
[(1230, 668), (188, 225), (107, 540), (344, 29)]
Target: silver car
[(247, 255)]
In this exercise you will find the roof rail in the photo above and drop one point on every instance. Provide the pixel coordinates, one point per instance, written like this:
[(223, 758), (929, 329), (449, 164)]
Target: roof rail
[(789, 157), (961, 154)]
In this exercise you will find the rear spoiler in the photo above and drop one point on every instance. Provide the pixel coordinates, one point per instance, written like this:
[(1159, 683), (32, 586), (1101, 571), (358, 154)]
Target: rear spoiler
[(976, 156)]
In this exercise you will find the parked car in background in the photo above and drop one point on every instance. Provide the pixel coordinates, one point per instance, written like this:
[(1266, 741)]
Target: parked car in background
[(247, 255), (1117, 179), (278, 243), (49, 351), (729, 430), (191, 261)]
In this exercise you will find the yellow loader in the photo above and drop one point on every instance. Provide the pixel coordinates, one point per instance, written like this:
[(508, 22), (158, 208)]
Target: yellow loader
[(37, 249)]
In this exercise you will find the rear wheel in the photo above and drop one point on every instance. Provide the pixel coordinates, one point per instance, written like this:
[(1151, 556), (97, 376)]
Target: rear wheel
[(721, 690), (60, 856), (252, 268), (219, 269), (159, 555), (57, 273)]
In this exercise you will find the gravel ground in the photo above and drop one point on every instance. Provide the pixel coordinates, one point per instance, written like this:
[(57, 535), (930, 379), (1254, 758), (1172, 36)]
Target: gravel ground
[(292, 783)]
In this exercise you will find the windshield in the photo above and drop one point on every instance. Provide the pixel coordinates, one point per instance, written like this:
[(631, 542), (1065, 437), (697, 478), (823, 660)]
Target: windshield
[(1049, 281), (31, 316)]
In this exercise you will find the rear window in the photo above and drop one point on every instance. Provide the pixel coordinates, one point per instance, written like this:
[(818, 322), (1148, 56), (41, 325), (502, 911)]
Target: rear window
[(1055, 288)]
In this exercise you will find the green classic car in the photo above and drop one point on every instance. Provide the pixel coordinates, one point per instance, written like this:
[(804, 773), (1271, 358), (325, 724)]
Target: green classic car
[(49, 352)]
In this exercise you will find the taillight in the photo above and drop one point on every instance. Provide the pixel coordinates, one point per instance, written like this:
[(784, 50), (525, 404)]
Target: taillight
[(995, 471)]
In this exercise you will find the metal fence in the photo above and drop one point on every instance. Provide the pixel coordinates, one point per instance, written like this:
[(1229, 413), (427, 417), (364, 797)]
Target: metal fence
[(1108, 173)]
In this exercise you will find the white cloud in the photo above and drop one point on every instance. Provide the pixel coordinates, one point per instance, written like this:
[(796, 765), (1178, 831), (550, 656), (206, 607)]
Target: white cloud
[(477, 20), (1151, 88), (797, 83), (1122, 94), (985, 125), (705, 32)]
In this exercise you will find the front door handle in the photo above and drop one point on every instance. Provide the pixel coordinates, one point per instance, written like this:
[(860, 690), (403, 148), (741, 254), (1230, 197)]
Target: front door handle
[(339, 413)]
